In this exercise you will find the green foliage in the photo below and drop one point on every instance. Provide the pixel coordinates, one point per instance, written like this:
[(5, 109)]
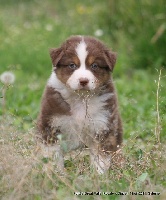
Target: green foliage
[(143, 25)]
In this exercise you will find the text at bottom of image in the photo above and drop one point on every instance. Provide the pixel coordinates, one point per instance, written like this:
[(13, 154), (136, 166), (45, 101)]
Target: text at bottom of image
[(117, 193)]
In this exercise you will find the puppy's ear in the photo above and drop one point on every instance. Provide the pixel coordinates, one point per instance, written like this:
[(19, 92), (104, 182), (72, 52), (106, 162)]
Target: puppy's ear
[(110, 58), (56, 54)]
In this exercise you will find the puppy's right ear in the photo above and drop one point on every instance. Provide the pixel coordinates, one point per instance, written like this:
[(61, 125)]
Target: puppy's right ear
[(56, 54)]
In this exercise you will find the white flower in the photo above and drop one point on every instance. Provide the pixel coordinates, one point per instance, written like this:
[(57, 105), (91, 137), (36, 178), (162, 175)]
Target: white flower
[(98, 33), (49, 27), (7, 78)]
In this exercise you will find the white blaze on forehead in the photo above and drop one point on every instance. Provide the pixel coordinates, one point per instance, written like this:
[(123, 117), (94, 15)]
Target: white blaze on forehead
[(74, 80), (82, 52), (82, 72)]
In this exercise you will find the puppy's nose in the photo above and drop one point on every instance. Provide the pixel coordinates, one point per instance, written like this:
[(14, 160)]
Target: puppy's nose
[(83, 81)]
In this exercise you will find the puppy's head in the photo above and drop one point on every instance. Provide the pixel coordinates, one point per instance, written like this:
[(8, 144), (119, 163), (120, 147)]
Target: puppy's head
[(83, 63)]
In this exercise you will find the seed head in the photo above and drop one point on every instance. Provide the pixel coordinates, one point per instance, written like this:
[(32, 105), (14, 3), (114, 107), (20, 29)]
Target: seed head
[(7, 78)]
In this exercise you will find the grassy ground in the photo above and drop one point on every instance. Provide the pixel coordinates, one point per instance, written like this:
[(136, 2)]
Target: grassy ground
[(27, 30)]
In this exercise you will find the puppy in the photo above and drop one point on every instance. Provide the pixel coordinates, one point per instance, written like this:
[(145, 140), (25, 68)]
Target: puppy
[(79, 106)]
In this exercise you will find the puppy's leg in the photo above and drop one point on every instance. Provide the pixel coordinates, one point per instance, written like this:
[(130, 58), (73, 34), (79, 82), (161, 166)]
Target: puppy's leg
[(55, 153), (100, 161)]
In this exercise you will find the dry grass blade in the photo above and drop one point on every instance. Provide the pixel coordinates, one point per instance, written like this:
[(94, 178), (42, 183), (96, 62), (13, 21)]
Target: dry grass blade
[(158, 125)]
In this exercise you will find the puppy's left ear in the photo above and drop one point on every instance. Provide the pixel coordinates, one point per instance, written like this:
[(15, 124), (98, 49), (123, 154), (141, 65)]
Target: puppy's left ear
[(110, 58), (56, 54)]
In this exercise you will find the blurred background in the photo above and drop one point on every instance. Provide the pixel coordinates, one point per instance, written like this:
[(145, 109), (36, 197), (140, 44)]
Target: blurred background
[(136, 30)]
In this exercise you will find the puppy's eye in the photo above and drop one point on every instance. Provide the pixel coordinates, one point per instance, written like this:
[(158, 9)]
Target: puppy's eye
[(94, 66), (72, 66)]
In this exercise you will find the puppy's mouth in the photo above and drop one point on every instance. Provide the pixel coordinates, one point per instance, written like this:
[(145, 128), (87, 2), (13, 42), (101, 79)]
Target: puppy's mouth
[(81, 88), (84, 88), (84, 93), (83, 84)]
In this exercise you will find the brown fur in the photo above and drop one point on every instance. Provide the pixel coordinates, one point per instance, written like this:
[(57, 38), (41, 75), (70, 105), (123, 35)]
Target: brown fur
[(52, 103)]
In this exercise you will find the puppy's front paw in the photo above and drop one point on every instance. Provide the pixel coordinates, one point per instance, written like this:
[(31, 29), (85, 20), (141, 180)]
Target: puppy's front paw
[(101, 162), (53, 152)]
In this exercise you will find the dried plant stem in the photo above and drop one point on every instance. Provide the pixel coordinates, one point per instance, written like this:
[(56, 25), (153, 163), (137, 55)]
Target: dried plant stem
[(20, 183), (158, 125), (4, 99)]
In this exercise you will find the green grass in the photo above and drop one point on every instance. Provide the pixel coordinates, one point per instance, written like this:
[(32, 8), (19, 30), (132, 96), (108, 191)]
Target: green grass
[(27, 30)]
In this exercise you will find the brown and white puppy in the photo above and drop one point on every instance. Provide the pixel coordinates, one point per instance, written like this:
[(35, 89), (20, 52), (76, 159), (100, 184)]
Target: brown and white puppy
[(79, 106)]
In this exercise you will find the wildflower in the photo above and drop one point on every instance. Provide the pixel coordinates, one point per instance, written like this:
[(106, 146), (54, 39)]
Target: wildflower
[(98, 33), (49, 27), (81, 9), (7, 78)]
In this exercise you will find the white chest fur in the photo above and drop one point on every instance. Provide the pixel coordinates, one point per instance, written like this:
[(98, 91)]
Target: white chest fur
[(90, 111), (88, 115), (88, 118)]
